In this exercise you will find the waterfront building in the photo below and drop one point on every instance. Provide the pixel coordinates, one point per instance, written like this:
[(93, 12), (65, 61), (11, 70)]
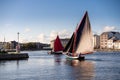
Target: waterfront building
[(117, 44), (52, 43), (7, 45), (13, 44), (110, 43), (107, 39), (38, 45), (1, 45), (103, 40), (96, 41)]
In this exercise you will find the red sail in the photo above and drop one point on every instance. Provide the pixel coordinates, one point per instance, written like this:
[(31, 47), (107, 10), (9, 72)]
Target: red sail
[(57, 45)]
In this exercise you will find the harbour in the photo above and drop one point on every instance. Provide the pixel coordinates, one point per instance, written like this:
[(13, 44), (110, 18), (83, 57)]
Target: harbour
[(42, 66), (59, 40)]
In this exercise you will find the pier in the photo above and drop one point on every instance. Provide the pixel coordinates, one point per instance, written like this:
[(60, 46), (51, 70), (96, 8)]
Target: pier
[(14, 56)]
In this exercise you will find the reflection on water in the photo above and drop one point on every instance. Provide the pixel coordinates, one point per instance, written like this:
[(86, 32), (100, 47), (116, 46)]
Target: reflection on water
[(42, 66), (12, 63), (82, 70), (57, 59)]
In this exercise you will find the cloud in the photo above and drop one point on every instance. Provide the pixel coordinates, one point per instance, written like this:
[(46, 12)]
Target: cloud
[(42, 38), (108, 28), (27, 30), (8, 25), (53, 35), (62, 34), (26, 39), (65, 34)]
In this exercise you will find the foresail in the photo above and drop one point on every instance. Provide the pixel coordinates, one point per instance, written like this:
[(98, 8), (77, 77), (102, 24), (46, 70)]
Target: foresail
[(84, 42), (69, 46)]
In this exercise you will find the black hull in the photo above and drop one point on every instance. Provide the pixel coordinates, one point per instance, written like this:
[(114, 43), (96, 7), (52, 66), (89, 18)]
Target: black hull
[(81, 58), (55, 53), (76, 58)]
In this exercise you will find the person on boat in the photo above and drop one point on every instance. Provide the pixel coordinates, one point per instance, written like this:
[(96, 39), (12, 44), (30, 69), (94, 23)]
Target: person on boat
[(67, 53), (80, 55)]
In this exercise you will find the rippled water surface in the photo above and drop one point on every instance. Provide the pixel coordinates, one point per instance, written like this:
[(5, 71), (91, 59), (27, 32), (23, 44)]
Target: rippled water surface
[(42, 66)]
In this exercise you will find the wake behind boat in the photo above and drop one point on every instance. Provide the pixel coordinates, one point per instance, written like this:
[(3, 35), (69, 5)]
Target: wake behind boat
[(81, 42)]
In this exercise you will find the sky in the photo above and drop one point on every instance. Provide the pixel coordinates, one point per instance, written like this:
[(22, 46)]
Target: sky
[(42, 20)]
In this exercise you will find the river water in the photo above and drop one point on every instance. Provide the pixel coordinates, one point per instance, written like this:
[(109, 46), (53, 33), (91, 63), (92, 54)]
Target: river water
[(42, 66)]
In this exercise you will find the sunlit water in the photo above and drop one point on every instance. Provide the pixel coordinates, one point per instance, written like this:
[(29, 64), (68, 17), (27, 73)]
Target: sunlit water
[(42, 66)]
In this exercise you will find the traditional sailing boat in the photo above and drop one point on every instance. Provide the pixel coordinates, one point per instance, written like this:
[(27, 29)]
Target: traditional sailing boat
[(57, 48), (81, 42)]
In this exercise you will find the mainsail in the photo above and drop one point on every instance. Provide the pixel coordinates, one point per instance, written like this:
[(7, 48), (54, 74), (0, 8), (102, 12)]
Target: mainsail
[(57, 45), (81, 41)]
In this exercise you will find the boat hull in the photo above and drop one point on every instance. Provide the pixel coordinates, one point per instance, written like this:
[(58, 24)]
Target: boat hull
[(81, 58), (73, 58), (55, 53)]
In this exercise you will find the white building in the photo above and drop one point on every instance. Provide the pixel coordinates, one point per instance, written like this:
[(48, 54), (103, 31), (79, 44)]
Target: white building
[(117, 44), (52, 43), (110, 43), (96, 41)]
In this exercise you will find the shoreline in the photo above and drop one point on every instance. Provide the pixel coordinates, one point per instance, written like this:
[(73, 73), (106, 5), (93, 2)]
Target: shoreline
[(107, 50)]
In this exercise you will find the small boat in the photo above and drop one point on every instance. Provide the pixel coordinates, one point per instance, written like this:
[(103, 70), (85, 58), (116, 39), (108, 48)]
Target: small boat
[(81, 42), (57, 48)]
